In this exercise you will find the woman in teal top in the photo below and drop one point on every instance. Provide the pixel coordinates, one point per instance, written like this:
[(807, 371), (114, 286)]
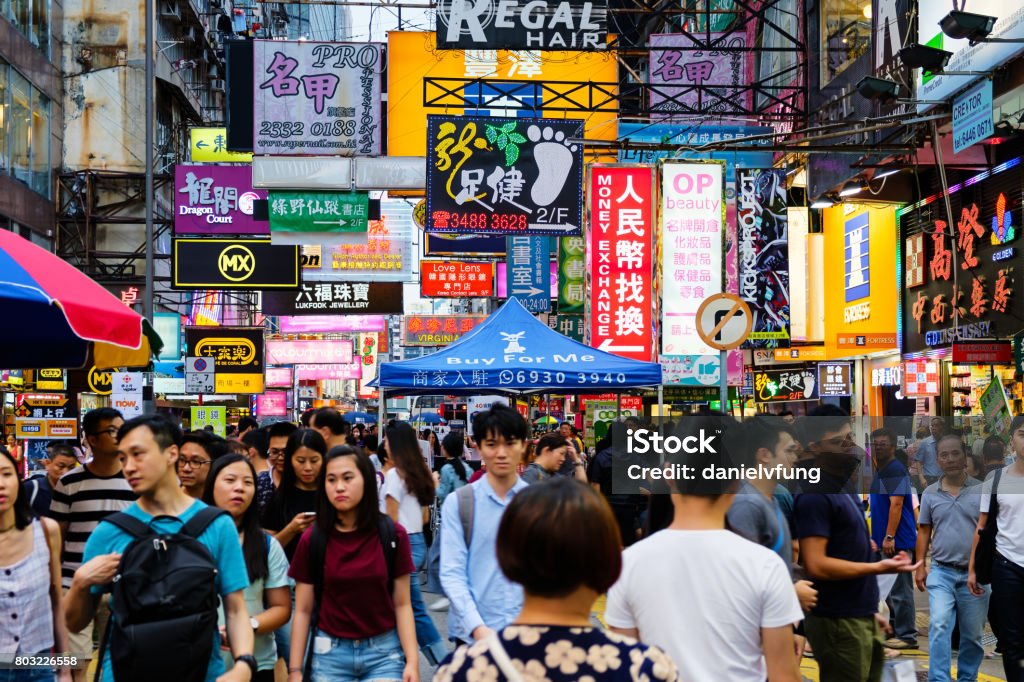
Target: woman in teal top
[(231, 486), (454, 473)]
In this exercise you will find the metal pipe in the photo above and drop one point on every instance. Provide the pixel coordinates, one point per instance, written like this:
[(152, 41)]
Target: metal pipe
[(150, 134)]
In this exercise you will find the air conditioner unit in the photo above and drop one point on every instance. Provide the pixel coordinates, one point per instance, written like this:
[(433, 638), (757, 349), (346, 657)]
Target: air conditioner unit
[(169, 9), (217, 85)]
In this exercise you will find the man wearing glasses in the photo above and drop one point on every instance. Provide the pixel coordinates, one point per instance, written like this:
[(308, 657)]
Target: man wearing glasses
[(267, 481), (196, 453), (81, 498)]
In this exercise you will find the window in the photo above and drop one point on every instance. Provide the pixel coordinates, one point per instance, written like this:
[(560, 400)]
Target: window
[(845, 35), (32, 18), (39, 144), (24, 131), (20, 139), (5, 117)]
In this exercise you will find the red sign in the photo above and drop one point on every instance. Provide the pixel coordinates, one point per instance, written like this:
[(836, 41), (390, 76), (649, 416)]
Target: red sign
[(456, 279), (621, 255), (983, 352), (920, 378)]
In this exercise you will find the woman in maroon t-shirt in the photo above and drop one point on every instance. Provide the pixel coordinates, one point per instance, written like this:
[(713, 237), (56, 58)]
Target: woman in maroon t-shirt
[(364, 630)]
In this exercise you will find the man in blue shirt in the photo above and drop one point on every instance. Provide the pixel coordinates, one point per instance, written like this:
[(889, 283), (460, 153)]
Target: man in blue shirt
[(482, 599), (894, 530), (147, 447), (927, 454)]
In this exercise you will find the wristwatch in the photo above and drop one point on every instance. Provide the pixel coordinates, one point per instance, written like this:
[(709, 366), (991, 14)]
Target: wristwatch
[(249, 660), (255, 624), (890, 537)]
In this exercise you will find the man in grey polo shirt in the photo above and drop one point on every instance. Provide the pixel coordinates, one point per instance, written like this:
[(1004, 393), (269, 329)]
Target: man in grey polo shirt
[(948, 518)]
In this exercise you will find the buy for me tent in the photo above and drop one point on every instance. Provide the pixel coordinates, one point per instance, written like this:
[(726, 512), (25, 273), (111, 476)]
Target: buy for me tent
[(514, 352)]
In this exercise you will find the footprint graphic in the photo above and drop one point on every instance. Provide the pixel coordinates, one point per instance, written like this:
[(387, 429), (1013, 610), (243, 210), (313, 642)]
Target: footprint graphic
[(554, 156), (809, 380)]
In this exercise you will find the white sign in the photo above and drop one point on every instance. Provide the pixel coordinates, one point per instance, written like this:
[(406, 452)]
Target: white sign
[(691, 262), (724, 321), (322, 99), (966, 57), (482, 403), (533, 25), (198, 365), (168, 385), (126, 383), (128, 405), (972, 116), (200, 382)]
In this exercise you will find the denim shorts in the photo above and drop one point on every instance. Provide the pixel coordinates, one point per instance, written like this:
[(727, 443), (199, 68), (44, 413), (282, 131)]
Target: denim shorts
[(378, 658)]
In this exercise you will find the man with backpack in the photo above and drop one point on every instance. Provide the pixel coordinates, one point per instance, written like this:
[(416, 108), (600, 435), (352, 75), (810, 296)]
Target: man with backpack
[(483, 600), (166, 559)]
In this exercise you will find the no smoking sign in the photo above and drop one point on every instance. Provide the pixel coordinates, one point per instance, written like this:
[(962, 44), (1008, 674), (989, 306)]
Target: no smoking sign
[(724, 321)]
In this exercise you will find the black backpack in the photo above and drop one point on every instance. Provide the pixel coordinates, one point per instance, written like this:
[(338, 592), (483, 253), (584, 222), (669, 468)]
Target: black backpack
[(164, 603), (317, 558)]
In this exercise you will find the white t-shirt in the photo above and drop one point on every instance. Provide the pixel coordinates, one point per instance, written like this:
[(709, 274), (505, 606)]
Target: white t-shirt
[(1010, 538), (703, 597), (410, 515)]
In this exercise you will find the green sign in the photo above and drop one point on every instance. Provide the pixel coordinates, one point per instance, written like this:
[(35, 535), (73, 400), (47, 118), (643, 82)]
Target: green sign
[(210, 416), (996, 408), (567, 325), (319, 211), (571, 273), (1018, 354)]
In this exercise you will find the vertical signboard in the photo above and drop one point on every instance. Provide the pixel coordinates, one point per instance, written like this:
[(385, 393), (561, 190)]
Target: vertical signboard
[(621, 305), (764, 253), (368, 360), (571, 274), (528, 272), (317, 98), (691, 250)]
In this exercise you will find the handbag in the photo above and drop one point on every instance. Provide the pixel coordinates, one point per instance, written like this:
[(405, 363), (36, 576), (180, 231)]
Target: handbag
[(501, 659), (985, 552)]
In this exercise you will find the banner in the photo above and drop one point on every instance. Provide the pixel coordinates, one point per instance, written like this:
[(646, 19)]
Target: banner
[(41, 416), (234, 264), (317, 98), (456, 279), (319, 211), (621, 260), (535, 25), (343, 372), (368, 361), (763, 222), (437, 330), (571, 274), (319, 324), (336, 298), (272, 404), (215, 200), (528, 272), (496, 175), (691, 251), (326, 352), (280, 377), (237, 354)]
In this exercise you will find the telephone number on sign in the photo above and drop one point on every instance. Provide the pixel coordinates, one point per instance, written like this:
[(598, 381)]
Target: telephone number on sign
[(507, 377), (336, 128), (443, 220), (30, 662)]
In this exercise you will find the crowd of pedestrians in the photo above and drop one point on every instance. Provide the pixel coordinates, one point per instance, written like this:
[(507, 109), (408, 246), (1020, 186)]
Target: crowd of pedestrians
[(302, 552)]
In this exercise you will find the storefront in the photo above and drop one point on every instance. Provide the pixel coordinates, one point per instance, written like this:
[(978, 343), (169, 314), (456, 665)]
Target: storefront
[(961, 298)]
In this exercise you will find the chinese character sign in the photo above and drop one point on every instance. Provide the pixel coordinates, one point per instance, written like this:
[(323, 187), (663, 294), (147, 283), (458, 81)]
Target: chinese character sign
[(504, 175), (528, 272), (686, 80), (785, 385), (763, 232), (437, 330), (215, 200), (691, 251), (571, 273), (368, 360), (317, 98), (454, 279), (621, 241), (319, 211)]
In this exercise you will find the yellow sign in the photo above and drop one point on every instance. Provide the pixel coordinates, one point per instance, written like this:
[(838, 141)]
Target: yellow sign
[(210, 145), (860, 249), (412, 57), (238, 383), (236, 263), (50, 380), (227, 351), (312, 256), (100, 381), (800, 354)]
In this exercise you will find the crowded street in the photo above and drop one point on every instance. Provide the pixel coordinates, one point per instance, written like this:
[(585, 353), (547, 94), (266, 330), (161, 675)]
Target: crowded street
[(512, 341)]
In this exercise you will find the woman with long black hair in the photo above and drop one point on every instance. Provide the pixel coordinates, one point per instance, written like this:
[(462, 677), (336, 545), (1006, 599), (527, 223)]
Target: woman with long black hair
[(352, 592), (454, 472), (231, 486), (291, 509), (408, 489)]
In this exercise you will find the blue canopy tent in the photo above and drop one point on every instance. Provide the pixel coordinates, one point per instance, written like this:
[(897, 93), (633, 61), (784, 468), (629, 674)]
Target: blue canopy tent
[(514, 352)]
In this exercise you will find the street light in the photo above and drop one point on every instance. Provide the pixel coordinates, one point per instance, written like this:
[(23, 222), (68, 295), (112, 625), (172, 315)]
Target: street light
[(855, 186), (824, 201)]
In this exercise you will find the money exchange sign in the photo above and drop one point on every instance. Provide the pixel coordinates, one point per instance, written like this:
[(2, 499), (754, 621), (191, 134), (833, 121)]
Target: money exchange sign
[(622, 258), (317, 98), (504, 175)]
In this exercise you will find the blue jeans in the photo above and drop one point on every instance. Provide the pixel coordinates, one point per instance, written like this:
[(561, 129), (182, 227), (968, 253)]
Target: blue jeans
[(949, 599), (353, 660), (283, 635), (433, 567), (427, 636)]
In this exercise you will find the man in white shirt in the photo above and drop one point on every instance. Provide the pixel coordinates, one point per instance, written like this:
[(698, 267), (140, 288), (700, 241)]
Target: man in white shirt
[(721, 606)]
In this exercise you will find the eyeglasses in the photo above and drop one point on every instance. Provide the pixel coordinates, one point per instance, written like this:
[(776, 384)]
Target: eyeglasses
[(193, 463), (112, 432), (275, 452)]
